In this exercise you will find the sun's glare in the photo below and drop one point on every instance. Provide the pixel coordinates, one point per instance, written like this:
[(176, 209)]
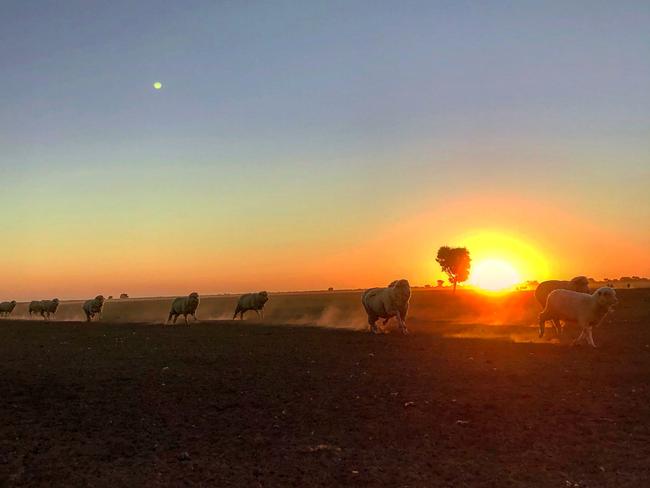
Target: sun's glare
[(494, 275), (524, 258)]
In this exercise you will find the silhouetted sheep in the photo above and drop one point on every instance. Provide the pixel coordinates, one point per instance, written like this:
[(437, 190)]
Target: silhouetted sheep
[(6, 308), (251, 301), (184, 306), (44, 308), (93, 307)]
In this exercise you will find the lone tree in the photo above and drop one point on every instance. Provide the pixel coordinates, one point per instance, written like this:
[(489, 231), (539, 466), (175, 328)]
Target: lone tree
[(455, 262)]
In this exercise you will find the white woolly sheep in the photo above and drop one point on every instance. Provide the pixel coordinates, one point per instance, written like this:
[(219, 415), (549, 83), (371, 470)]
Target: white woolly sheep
[(586, 310), (579, 284), (93, 307), (6, 308), (251, 301), (386, 303), (184, 306)]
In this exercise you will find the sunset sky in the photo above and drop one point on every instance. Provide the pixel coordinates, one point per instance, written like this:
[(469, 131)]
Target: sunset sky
[(302, 145)]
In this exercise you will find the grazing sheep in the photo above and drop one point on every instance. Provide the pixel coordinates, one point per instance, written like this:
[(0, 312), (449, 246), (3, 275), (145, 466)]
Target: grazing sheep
[(385, 303), (184, 306), (579, 284), (93, 307), (44, 307), (251, 301), (586, 310), (6, 308)]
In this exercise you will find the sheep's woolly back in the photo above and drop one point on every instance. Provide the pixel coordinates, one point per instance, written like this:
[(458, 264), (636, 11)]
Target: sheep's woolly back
[(50, 306), (7, 306), (36, 306), (252, 301), (578, 284)]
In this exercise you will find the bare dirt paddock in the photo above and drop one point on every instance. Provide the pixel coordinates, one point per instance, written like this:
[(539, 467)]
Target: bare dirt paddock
[(456, 403)]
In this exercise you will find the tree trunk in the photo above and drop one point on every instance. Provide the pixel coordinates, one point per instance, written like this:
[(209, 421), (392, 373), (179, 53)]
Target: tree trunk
[(454, 287)]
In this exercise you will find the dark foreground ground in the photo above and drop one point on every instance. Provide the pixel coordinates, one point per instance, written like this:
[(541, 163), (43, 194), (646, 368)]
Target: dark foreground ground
[(243, 404)]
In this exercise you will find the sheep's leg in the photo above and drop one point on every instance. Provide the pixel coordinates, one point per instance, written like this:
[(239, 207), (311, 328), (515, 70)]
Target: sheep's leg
[(582, 334), (542, 324), (258, 313), (169, 318), (185, 317), (195, 319), (590, 337), (175, 318), (373, 326), (558, 327), (402, 324), (262, 313)]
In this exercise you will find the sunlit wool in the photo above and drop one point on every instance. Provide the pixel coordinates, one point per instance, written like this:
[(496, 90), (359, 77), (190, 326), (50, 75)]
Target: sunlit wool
[(579, 284), (386, 303), (586, 310)]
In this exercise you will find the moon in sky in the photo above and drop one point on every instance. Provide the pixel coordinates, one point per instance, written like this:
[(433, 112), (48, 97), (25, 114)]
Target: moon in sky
[(157, 85)]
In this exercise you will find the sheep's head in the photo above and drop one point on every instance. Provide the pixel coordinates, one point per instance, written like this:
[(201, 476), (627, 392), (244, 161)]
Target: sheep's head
[(580, 284), (606, 297), (99, 298), (13, 303), (55, 300), (403, 289), (264, 296), (194, 295)]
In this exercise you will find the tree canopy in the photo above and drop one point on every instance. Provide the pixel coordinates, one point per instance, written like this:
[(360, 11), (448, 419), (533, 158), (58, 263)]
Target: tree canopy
[(455, 262)]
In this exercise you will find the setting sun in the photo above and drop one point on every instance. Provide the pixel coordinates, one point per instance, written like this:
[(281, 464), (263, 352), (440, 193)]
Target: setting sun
[(494, 275)]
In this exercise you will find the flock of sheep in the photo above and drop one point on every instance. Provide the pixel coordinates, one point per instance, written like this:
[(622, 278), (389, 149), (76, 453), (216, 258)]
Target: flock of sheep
[(562, 301), (180, 306)]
